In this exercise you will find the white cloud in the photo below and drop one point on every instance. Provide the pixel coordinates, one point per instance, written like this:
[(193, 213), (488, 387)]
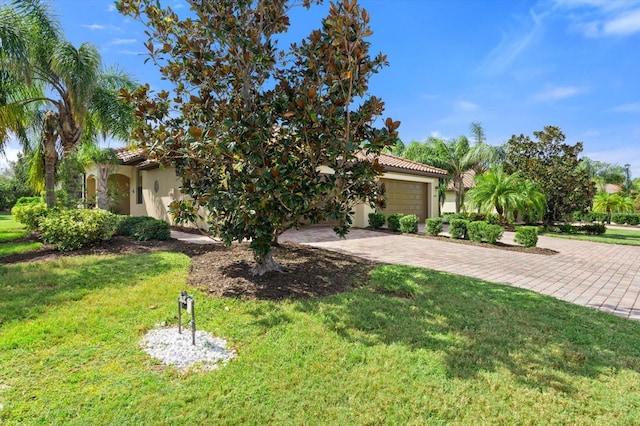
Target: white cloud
[(600, 18), (111, 8), (118, 41), (632, 107), (94, 27), (513, 44), (624, 24), (131, 52), (467, 106), (555, 93)]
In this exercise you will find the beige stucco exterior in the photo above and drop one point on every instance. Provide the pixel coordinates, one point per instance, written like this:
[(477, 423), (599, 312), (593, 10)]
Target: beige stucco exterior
[(161, 186)]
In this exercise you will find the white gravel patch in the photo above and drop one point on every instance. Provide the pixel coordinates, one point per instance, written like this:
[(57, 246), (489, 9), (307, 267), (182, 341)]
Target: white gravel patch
[(173, 348)]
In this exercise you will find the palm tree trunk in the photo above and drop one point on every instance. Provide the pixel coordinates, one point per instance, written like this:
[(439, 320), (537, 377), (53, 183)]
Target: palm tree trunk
[(49, 139), (103, 175)]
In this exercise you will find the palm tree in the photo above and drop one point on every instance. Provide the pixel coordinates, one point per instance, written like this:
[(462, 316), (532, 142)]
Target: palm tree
[(68, 83), (607, 203), (508, 195), (456, 156)]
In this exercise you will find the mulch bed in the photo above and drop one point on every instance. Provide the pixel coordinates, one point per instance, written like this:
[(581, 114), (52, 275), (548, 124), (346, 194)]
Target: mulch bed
[(225, 271)]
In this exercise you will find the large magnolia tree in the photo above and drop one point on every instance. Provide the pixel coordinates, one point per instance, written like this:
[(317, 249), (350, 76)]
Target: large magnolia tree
[(555, 167), (265, 137)]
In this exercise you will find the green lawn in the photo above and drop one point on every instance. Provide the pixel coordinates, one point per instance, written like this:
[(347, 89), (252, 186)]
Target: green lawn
[(413, 346), (10, 231), (630, 237)]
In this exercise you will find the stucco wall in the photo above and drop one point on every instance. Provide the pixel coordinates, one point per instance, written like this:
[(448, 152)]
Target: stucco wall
[(156, 198)]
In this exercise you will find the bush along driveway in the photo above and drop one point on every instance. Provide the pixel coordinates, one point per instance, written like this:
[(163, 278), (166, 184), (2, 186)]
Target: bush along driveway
[(601, 276)]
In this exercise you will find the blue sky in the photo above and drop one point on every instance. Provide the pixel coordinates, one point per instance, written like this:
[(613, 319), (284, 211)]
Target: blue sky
[(513, 65)]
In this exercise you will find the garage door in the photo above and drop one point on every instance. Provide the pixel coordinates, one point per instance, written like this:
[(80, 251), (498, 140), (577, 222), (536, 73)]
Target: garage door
[(406, 197)]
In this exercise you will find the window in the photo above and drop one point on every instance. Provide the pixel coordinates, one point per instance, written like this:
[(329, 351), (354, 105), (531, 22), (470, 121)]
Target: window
[(139, 187)]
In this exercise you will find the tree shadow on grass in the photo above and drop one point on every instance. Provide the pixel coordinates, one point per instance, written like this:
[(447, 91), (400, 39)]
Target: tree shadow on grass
[(482, 327), (28, 289)]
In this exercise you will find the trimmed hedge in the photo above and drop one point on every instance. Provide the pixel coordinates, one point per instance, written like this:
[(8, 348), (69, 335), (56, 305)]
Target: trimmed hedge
[(143, 228), (393, 221), (73, 229), (458, 228), (527, 236), (409, 224), (433, 226), (626, 218), (480, 231), (376, 220), (588, 229), (30, 213)]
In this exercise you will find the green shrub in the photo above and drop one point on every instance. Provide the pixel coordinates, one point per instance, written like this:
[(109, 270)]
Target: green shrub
[(593, 229), (493, 233), (446, 217), (409, 224), (28, 200), (433, 226), (527, 236), (594, 217), (393, 221), (567, 228), (634, 219), (376, 220), (476, 230), (73, 229), (578, 216), (480, 231), (143, 228), (493, 218), (30, 214), (620, 218), (458, 228)]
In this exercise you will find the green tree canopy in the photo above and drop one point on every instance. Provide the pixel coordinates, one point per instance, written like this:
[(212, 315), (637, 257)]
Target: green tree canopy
[(456, 156), (264, 138), (508, 194), (554, 166), (607, 203), (73, 96)]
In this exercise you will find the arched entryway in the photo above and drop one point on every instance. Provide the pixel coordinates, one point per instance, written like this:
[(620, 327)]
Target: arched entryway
[(118, 187), (90, 196)]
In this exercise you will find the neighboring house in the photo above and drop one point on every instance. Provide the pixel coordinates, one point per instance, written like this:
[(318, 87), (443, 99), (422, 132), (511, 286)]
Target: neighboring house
[(449, 205), (612, 189), (147, 188)]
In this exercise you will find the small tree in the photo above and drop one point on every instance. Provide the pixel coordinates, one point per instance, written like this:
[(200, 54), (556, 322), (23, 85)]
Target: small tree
[(607, 203), (264, 139), (554, 167)]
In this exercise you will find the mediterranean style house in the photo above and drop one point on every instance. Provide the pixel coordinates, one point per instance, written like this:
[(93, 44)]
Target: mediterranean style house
[(146, 189)]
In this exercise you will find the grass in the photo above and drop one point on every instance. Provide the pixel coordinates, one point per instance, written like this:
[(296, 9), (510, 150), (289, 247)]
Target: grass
[(629, 237), (413, 346), (10, 231)]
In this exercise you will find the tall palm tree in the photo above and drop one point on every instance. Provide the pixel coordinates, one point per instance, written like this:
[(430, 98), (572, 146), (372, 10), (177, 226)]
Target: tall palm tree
[(607, 203), (68, 83), (508, 195), (456, 156)]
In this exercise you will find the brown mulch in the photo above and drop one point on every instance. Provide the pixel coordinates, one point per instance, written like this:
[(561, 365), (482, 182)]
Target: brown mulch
[(496, 246), (225, 271)]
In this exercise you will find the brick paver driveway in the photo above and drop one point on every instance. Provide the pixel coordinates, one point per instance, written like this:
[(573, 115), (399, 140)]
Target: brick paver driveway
[(601, 276)]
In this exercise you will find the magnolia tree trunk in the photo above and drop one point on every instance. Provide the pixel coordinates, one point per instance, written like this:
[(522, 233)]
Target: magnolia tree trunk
[(266, 264), (103, 175)]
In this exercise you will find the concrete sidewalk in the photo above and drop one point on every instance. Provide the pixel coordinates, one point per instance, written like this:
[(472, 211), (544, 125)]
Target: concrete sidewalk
[(601, 276)]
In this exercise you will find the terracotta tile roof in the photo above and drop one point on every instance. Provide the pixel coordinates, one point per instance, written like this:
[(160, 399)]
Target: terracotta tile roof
[(391, 163), (467, 180), (129, 156), (395, 163), (612, 189)]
